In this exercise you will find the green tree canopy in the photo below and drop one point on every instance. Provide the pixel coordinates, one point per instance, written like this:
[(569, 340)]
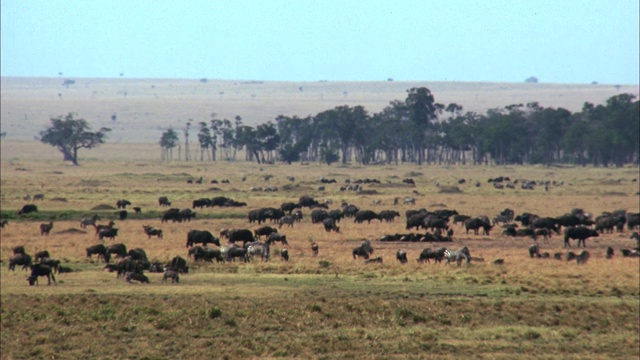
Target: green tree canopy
[(69, 134)]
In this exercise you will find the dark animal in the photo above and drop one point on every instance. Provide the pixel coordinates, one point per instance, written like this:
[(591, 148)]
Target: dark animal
[(475, 224), (164, 201), (151, 231), (179, 264), (122, 204), (206, 254), (20, 259), (273, 237), (29, 208), (580, 233), (534, 251), (264, 231), (583, 257), (119, 249), (201, 203), (314, 249), (170, 274), (45, 229), (318, 216), (374, 260), (141, 278), (137, 209), (401, 256), (284, 255), (388, 215), (609, 253), (416, 220), (38, 197), (330, 225), (99, 250), (544, 232), (633, 220), (89, 221), (365, 215), (101, 227), (460, 219), (288, 207), (237, 252), (546, 223), (203, 237), (428, 254), (53, 263), (364, 250), (122, 214), (243, 235), (3, 223), (172, 214), (18, 250), (41, 255), (187, 215), (286, 220), (110, 233), (38, 270), (571, 255)]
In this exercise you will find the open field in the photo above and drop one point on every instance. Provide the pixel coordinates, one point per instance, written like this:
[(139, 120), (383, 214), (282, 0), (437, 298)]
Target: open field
[(326, 307), (146, 107)]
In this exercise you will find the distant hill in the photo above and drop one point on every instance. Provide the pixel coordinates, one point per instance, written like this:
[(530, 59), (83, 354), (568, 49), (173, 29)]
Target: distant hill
[(143, 108)]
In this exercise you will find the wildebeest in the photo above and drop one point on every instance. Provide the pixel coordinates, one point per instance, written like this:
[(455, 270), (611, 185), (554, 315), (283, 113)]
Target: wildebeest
[(89, 220), (119, 249), (234, 235), (330, 225), (137, 209), (580, 233), (38, 197), (264, 231), (318, 215), (203, 237), (122, 214), (41, 255), (99, 250), (132, 276), (286, 220), (18, 250), (401, 256), (29, 208), (38, 270), (365, 215), (273, 237), (377, 259), (314, 249), (237, 252), (460, 219), (427, 254), (583, 257), (609, 253), (186, 214), (164, 201), (122, 203), (206, 253), (179, 264), (284, 255), (633, 220), (170, 274), (100, 227), (151, 231), (534, 251), (365, 250), (53, 263), (172, 214), (288, 207), (388, 215), (546, 223), (475, 224), (20, 259), (110, 233), (45, 229)]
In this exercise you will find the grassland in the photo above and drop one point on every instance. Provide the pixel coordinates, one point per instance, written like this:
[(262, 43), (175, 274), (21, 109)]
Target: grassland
[(325, 307)]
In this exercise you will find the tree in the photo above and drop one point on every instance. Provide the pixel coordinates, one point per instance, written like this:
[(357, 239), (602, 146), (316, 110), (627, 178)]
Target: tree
[(70, 134), (168, 141)]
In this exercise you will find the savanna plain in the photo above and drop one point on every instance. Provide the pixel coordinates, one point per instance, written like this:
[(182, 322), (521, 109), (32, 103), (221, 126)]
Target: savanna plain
[(326, 307)]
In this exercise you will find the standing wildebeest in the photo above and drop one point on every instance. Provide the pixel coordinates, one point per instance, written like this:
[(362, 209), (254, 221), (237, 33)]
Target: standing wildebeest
[(273, 237), (318, 215), (41, 255), (110, 233), (401, 256), (234, 235), (544, 232), (460, 219), (122, 214), (237, 252), (172, 214), (416, 220), (45, 229), (475, 224), (100, 227), (89, 220), (29, 208), (546, 223), (38, 270), (170, 274), (151, 231), (99, 250), (366, 215), (633, 220), (388, 215), (609, 253), (203, 237), (427, 254), (264, 231), (288, 207), (206, 253), (38, 197), (534, 251), (284, 255), (330, 224), (164, 201), (314, 249), (363, 250), (118, 249), (580, 233), (20, 259), (186, 214), (122, 204)]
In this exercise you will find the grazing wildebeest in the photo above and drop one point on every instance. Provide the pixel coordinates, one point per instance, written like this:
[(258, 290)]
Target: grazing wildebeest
[(119, 249), (100, 227), (284, 255), (99, 250), (388, 215), (580, 233), (110, 233), (273, 237), (89, 220), (264, 231), (179, 264), (475, 224), (137, 209), (186, 214), (286, 220), (53, 263), (237, 252), (244, 235), (401, 256), (151, 231), (609, 253), (18, 250), (427, 254), (164, 201), (170, 274), (20, 259), (366, 215), (330, 225), (314, 249), (29, 208), (203, 237), (364, 250), (131, 276), (41, 255), (122, 203), (457, 256), (38, 197), (38, 270), (318, 215), (534, 251), (583, 257)]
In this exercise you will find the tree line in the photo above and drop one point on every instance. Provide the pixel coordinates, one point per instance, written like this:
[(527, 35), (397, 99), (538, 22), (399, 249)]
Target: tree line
[(416, 130)]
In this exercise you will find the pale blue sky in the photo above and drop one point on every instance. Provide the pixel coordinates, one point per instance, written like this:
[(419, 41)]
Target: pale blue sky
[(559, 41)]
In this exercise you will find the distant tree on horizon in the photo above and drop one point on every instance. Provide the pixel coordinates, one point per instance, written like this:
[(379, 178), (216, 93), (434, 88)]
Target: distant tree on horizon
[(69, 134)]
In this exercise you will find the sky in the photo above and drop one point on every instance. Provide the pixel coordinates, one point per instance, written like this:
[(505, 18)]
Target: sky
[(558, 41)]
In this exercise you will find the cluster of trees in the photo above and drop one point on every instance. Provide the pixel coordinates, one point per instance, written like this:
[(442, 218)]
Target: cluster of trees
[(419, 130)]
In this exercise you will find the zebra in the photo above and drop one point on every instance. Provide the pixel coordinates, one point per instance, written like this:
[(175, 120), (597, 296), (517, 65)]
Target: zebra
[(457, 256), (288, 220), (258, 248)]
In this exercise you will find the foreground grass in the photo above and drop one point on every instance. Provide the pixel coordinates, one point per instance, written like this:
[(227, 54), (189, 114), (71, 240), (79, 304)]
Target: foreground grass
[(309, 316)]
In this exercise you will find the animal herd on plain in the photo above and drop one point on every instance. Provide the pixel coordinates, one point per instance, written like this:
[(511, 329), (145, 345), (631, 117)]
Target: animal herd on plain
[(430, 226)]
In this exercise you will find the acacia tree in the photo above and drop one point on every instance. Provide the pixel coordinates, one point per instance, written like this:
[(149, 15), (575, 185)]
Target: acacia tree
[(69, 134), (168, 141)]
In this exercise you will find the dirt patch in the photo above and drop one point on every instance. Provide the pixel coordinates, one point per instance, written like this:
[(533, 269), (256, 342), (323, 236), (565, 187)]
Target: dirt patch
[(103, 207), (71, 231), (450, 190)]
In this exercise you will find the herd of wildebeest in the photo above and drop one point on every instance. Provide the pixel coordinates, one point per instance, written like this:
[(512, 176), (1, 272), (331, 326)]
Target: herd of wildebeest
[(430, 226)]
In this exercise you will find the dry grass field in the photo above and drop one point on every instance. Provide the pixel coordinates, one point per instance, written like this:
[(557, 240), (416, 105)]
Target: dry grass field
[(325, 307)]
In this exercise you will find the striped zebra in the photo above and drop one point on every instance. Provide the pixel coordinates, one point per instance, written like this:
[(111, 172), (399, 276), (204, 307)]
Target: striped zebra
[(457, 256), (258, 249)]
